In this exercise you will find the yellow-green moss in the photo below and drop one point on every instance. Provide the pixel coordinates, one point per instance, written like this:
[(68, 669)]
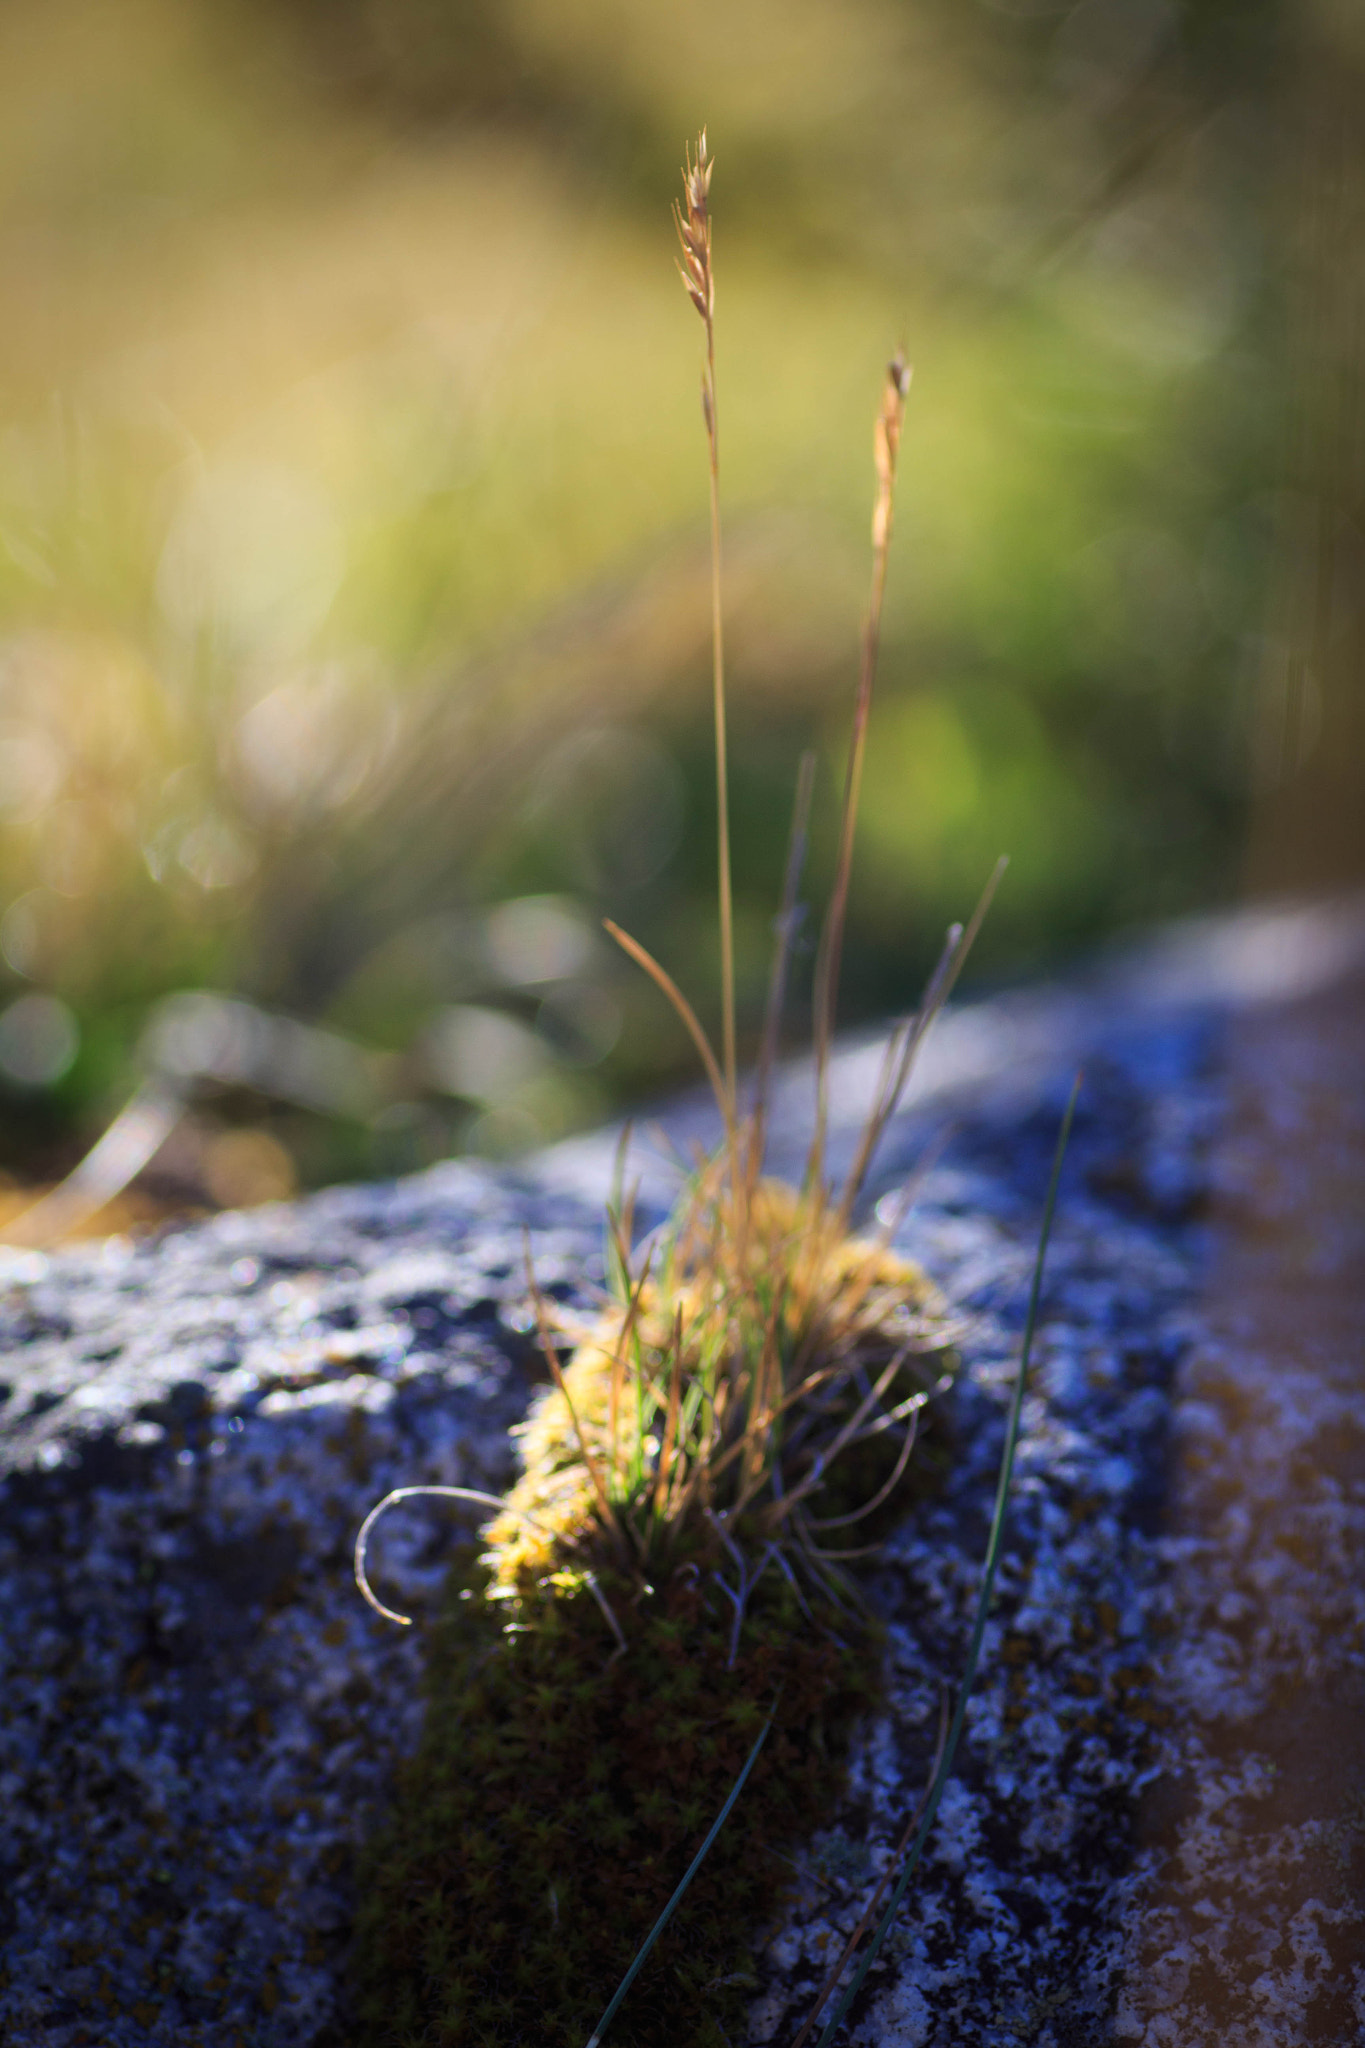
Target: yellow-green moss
[(564, 1782)]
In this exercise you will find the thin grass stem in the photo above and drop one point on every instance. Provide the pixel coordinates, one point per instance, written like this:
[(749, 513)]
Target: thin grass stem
[(727, 930), (777, 980), (883, 1492), (664, 980), (693, 1867), (887, 448), (897, 1068), (830, 1984), (983, 1604), (693, 221), (400, 1493)]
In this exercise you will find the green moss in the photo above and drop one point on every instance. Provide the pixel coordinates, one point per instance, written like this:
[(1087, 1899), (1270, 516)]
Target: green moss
[(561, 1791), (564, 1784)]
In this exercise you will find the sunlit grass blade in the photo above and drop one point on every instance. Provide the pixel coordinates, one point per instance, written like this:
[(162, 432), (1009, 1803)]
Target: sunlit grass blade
[(137, 1133), (664, 980), (401, 1493), (983, 1604), (787, 919), (693, 1867), (906, 1044), (887, 448)]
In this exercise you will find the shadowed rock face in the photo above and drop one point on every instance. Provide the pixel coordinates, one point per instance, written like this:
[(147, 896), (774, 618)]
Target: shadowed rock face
[(1156, 1831), (198, 1713)]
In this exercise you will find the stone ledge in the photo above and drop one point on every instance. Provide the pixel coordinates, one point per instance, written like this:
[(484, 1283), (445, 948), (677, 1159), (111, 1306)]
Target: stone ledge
[(1152, 1833)]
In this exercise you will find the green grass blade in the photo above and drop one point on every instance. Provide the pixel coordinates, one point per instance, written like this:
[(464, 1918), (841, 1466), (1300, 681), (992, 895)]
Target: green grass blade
[(983, 1604), (693, 1867)]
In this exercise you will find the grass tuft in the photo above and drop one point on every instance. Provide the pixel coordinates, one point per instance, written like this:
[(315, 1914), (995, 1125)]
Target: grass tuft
[(663, 1610)]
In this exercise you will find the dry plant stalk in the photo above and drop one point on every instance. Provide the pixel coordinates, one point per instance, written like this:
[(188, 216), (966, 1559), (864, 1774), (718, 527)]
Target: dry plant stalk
[(693, 222), (886, 449)]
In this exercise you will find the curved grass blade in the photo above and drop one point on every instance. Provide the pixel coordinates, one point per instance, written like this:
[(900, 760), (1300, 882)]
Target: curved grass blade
[(983, 1604), (400, 1493), (693, 1867), (664, 980)]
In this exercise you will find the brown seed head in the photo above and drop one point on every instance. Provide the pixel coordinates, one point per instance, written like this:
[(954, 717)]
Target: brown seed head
[(886, 444), (694, 229)]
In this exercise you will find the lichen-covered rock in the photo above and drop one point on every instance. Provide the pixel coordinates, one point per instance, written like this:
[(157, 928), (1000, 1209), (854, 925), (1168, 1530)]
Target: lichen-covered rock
[(1156, 1832), (198, 1716)]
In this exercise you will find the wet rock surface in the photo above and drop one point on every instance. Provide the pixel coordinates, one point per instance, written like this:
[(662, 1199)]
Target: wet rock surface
[(1156, 1831)]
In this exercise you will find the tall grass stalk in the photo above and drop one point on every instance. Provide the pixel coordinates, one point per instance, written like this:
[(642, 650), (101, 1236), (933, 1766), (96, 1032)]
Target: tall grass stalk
[(886, 449), (693, 220)]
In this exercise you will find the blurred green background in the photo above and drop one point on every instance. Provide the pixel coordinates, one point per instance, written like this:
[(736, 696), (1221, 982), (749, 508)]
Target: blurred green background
[(353, 556)]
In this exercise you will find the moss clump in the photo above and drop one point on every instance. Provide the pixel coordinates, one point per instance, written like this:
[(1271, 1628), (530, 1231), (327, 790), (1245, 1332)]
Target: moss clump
[(559, 1794), (736, 1376), (654, 1586)]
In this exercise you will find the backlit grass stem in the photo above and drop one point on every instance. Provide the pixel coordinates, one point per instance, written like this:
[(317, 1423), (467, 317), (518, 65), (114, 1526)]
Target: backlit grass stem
[(788, 918), (886, 448), (693, 220)]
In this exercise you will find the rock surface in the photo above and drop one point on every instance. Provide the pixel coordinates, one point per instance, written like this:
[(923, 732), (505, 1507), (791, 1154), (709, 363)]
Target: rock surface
[(1156, 1832)]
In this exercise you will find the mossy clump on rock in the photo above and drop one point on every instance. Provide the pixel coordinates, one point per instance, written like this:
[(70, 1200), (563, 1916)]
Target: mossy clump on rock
[(669, 1575), (655, 1586)]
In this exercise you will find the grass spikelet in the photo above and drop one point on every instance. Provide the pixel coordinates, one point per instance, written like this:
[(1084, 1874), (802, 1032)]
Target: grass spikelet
[(693, 222)]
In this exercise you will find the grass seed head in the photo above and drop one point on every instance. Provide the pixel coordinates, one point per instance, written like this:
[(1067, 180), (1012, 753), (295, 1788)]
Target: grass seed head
[(693, 220), (886, 445)]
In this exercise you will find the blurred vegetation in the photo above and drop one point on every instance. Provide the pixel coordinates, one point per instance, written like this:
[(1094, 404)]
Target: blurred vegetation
[(353, 611)]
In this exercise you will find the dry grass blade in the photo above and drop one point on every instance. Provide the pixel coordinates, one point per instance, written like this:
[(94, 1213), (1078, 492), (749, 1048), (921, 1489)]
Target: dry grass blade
[(886, 448), (664, 980), (906, 1043), (693, 221), (137, 1133), (884, 1492), (401, 1493), (848, 1434), (787, 920), (477, 1499)]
